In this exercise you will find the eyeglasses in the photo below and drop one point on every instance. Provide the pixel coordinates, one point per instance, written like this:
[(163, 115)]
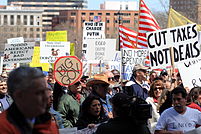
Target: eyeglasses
[(111, 79), (116, 76)]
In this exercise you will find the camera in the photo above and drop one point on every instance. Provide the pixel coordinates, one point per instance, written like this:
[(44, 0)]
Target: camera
[(140, 110)]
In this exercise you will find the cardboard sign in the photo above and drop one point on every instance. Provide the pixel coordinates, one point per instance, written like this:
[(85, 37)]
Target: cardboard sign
[(183, 39), (18, 53), (130, 57), (51, 50), (190, 73), (101, 49), (67, 70), (56, 36)]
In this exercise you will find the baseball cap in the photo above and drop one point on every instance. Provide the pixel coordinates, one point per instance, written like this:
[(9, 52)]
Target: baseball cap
[(140, 67)]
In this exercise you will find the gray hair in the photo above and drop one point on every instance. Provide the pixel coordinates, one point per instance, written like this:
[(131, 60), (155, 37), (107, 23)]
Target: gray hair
[(22, 78)]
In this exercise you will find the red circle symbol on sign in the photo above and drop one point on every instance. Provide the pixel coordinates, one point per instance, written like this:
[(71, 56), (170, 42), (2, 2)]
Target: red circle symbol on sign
[(67, 70)]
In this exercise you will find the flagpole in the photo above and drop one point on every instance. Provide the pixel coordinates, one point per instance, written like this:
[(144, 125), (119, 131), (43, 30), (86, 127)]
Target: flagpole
[(119, 22), (138, 23)]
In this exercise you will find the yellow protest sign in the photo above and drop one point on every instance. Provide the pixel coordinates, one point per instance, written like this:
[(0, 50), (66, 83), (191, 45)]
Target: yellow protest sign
[(36, 60), (56, 36), (72, 49)]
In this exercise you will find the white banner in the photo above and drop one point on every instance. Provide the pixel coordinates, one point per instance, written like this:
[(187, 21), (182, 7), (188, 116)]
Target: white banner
[(51, 50), (101, 49), (183, 39), (18, 53)]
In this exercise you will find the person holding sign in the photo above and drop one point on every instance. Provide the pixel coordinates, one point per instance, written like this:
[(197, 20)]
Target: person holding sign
[(179, 118), (69, 105)]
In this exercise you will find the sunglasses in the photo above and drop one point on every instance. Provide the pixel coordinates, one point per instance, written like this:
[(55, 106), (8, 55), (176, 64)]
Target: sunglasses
[(111, 79)]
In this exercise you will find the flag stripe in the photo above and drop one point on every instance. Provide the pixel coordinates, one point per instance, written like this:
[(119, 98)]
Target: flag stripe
[(147, 22), (128, 38)]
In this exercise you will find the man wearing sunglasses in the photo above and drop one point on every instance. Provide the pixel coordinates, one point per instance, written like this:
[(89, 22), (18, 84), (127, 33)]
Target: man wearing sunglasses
[(138, 83)]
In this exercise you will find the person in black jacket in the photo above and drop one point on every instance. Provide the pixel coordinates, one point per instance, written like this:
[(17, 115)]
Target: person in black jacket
[(92, 113), (123, 122)]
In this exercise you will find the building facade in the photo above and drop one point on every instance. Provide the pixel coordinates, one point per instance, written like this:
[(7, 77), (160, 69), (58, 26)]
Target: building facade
[(15, 22), (51, 8), (189, 8), (72, 21)]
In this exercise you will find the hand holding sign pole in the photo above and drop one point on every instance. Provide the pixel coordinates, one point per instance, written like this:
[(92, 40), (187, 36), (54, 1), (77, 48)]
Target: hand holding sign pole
[(67, 70)]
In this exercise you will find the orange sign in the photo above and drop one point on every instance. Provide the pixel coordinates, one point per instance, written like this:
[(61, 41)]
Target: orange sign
[(67, 70)]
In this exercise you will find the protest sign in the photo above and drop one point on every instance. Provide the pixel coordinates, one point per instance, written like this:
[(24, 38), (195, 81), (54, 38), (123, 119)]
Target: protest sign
[(56, 36), (190, 73), (130, 57), (51, 50), (18, 53), (15, 40), (36, 60), (183, 39), (67, 70), (100, 49), (92, 30)]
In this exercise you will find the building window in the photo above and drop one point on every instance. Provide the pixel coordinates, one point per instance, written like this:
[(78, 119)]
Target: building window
[(108, 28), (91, 13), (108, 21), (5, 20), (37, 35), (73, 13), (18, 19), (12, 20), (83, 21), (31, 29), (108, 14), (25, 20), (126, 7), (38, 29), (25, 29), (99, 13), (31, 35), (31, 20), (83, 13), (126, 21)]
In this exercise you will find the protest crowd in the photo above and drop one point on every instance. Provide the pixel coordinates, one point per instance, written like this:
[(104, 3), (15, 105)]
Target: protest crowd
[(151, 102), (154, 89)]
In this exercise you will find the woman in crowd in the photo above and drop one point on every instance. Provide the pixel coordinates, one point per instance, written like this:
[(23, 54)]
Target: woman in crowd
[(92, 113), (194, 98), (155, 91)]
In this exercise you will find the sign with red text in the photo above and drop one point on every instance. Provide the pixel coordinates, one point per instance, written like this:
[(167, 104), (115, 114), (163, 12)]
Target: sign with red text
[(67, 70)]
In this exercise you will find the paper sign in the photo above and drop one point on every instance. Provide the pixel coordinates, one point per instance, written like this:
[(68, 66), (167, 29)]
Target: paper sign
[(18, 53), (51, 50), (67, 70), (56, 36), (183, 39), (36, 60), (101, 49), (190, 73), (15, 40)]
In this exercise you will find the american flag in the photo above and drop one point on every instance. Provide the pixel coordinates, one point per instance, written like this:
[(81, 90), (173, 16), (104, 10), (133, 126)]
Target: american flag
[(147, 22), (128, 39)]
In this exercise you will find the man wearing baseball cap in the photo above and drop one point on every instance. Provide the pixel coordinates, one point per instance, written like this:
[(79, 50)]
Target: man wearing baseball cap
[(138, 83)]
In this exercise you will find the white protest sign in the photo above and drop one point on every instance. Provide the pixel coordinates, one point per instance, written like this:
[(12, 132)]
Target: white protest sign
[(18, 53), (183, 39), (190, 73), (130, 57), (92, 30), (51, 50), (15, 40), (101, 49)]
